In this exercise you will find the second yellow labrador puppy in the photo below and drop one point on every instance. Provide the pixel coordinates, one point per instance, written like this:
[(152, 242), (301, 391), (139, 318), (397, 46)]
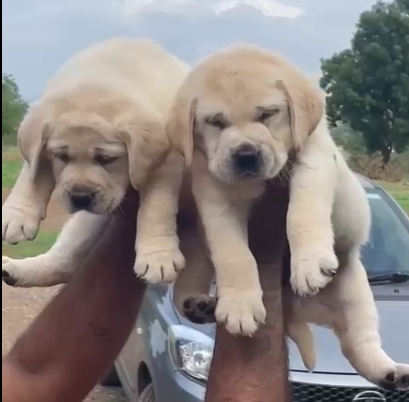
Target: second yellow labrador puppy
[(99, 127), (238, 118), (243, 116)]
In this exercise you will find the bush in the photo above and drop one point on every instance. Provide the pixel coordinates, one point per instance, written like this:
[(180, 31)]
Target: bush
[(13, 110), (374, 168)]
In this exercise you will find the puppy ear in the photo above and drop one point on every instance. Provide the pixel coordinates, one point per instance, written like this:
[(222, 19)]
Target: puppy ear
[(307, 107), (147, 144), (32, 138), (180, 125)]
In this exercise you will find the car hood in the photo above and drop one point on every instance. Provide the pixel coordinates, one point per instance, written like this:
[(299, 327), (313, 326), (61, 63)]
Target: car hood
[(394, 330)]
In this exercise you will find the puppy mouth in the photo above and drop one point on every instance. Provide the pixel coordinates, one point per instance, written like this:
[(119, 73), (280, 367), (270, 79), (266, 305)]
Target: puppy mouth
[(231, 172), (91, 205), (248, 172)]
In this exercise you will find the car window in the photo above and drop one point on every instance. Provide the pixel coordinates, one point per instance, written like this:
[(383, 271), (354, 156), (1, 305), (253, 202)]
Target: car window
[(388, 247)]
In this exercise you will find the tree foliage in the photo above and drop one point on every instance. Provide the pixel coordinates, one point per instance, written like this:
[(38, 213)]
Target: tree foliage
[(13, 108), (349, 140), (369, 83)]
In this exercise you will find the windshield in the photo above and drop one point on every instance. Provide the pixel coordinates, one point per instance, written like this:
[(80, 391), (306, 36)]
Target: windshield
[(388, 247)]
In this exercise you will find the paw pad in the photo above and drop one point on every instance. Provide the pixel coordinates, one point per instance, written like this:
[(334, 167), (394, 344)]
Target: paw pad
[(200, 310)]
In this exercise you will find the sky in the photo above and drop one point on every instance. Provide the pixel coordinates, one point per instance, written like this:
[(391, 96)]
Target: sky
[(39, 35)]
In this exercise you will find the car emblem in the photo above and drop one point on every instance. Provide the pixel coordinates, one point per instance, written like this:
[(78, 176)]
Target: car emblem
[(369, 396)]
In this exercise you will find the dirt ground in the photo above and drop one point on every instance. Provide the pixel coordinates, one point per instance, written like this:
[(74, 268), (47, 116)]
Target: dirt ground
[(21, 306)]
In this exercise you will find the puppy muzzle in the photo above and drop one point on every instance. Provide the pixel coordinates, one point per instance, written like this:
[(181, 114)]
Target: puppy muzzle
[(81, 198), (247, 161)]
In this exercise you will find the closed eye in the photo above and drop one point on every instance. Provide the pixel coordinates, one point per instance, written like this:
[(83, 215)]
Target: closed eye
[(105, 160), (266, 114), (218, 121), (61, 155)]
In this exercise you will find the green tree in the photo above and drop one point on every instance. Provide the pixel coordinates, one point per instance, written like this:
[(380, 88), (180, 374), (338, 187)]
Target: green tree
[(369, 83), (13, 108), (350, 140)]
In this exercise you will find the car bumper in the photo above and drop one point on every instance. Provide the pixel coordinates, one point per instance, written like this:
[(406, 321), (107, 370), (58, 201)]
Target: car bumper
[(316, 387), (307, 387)]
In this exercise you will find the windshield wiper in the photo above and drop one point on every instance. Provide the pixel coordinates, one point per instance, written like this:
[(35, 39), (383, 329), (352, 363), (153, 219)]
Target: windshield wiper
[(389, 277)]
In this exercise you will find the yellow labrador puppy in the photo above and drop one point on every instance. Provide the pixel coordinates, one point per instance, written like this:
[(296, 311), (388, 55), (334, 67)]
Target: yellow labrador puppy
[(99, 127), (237, 119)]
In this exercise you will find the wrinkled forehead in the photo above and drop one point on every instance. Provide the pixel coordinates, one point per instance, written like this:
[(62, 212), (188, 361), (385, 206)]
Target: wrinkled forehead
[(79, 139), (238, 91)]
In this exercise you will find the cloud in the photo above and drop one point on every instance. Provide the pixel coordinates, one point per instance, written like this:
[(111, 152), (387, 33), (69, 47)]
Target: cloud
[(38, 36), (270, 8)]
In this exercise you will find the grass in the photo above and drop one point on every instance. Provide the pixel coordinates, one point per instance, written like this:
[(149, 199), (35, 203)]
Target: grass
[(400, 192), (11, 165), (40, 245)]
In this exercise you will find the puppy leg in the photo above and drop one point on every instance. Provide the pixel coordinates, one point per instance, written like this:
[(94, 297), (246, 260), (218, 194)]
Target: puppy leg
[(194, 282), (59, 263), (158, 257), (301, 334), (240, 305), (297, 327), (26, 206), (309, 227), (356, 325)]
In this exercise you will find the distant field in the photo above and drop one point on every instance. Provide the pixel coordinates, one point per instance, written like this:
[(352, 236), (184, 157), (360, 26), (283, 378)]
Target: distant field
[(400, 192), (11, 165)]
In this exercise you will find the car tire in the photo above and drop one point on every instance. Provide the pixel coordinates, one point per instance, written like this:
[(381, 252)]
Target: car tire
[(111, 379), (148, 394)]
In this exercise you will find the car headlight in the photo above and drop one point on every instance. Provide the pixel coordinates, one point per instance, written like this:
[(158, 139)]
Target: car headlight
[(191, 351)]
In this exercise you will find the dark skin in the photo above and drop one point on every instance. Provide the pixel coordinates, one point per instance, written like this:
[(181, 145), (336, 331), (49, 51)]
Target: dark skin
[(75, 340), (69, 346), (256, 369)]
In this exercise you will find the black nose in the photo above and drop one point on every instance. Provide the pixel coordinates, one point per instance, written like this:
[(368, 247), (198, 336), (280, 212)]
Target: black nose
[(81, 200), (247, 158)]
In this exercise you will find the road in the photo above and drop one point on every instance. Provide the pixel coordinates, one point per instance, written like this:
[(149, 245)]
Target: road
[(19, 307)]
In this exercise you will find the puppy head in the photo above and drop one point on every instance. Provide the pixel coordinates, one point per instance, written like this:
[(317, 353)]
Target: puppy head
[(93, 153), (245, 109)]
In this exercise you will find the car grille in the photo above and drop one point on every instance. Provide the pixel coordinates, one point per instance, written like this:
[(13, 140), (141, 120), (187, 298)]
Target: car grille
[(324, 393)]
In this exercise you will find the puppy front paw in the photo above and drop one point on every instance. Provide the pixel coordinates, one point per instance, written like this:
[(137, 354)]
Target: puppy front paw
[(161, 264), (39, 271), (242, 312), (8, 271), (19, 225), (312, 269), (396, 378), (14, 272)]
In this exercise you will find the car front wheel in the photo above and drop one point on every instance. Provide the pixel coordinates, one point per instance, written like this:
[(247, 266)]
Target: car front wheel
[(148, 394), (111, 379)]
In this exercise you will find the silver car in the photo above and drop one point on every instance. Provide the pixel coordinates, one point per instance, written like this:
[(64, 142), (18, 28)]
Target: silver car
[(166, 359)]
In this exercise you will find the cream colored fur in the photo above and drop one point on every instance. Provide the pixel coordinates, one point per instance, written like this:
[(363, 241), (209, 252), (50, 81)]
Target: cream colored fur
[(248, 96), (97, 128)]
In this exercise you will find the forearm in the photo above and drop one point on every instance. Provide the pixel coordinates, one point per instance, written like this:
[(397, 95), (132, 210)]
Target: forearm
[(75, 339), (256, 369)]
